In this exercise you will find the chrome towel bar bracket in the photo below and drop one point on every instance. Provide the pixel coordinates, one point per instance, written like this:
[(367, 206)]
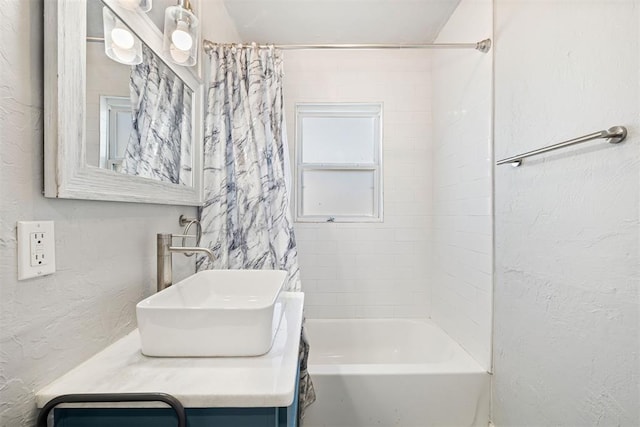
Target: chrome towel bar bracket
[(613, 135)]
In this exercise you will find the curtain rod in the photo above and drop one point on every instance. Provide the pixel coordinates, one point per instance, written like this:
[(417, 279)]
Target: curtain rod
[(483, 46)]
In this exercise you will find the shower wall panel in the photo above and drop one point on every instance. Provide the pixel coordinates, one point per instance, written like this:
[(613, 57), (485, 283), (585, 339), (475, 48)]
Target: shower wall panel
[(381, 269), (462, 182)]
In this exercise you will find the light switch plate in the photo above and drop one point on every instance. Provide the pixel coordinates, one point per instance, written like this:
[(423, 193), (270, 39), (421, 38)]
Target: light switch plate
[(36, 249)]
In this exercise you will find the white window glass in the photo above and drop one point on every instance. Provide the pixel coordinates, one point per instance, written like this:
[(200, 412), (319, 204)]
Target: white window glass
[(334, 193), (123, 129), (339, 162), (116, 124), (338, 139)]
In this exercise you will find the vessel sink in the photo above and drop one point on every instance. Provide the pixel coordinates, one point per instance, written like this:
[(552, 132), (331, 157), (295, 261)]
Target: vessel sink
[(213, 313)]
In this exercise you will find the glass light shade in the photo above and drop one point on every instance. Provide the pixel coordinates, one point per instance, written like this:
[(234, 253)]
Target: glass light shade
[(142, 5), (120, 44), (181, 35), (178, 56)]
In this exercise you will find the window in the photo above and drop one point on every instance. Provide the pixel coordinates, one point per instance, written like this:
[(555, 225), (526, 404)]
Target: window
[(338, 162), (116, 124)]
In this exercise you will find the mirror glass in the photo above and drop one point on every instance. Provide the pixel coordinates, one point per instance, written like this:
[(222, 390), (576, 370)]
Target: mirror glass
[(138, 116)]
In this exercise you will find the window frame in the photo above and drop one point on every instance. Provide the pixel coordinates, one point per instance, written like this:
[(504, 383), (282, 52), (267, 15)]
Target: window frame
[(110, 106), (339, 110)]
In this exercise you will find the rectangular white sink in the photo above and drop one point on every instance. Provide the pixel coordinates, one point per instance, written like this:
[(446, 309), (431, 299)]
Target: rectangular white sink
[(213, 313)]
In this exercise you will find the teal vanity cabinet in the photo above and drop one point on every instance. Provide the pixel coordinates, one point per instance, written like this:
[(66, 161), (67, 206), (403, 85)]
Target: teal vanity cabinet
[(164, 417)]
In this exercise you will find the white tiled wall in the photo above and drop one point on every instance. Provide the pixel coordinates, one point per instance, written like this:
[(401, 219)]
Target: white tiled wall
[(373, 269), (462, 183)]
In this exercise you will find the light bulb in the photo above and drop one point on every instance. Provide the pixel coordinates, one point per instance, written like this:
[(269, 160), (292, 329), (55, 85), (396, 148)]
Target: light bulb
[(125, 55), (179, 55), (181, 37), (122, 37)]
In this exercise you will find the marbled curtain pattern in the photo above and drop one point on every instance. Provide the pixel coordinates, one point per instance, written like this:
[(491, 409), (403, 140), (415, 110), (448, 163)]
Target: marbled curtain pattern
[(160, 142), (246, 220)]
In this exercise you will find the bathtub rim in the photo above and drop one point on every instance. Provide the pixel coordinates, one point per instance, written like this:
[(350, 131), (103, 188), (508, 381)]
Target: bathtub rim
[(461, 362)]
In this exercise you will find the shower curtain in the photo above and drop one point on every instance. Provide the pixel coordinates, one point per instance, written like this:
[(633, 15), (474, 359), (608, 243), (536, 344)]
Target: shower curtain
[(159, 145), (246, 219)]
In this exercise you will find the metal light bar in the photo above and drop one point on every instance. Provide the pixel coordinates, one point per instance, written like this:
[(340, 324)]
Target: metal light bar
[(483, 46), (614, 135)]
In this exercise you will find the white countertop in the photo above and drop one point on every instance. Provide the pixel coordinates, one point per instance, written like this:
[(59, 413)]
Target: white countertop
[(203, 382)]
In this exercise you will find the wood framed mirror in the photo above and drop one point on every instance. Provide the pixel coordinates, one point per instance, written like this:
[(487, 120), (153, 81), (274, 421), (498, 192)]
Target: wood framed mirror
[(79, 163)]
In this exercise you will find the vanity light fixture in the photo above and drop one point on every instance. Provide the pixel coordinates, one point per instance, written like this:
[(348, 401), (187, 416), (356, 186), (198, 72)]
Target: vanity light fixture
[(141, 5), (181, 34), (120, 44)]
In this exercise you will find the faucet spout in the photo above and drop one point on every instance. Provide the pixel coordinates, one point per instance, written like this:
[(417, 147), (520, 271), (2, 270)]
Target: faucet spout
[(165, 250), (185, 249)]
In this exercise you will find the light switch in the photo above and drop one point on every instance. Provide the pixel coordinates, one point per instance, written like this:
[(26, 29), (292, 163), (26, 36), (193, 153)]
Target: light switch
[(36, 249)]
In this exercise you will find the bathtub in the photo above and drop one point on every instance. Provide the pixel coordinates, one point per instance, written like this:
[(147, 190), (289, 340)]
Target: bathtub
[(392, 372)]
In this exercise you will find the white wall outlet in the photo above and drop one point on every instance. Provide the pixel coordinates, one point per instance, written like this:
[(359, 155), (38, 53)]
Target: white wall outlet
[(36, 249)]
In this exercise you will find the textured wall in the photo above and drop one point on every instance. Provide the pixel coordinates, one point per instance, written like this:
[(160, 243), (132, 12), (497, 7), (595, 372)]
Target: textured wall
[(567, 233), (462, 182), (105, 251), (371, 269)]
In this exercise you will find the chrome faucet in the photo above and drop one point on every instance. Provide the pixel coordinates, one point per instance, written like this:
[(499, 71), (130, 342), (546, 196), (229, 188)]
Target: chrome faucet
[(165, 250)]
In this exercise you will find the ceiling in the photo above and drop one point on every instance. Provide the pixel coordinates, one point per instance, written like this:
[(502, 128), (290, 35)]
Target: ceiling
[(339, 21), (319, 21)]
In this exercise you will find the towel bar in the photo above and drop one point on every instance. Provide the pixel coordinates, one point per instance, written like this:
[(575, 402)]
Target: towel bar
[(614, 135)]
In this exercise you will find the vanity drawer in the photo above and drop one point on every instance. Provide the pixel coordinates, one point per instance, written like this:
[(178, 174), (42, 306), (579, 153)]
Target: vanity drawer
[(165, 417)]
